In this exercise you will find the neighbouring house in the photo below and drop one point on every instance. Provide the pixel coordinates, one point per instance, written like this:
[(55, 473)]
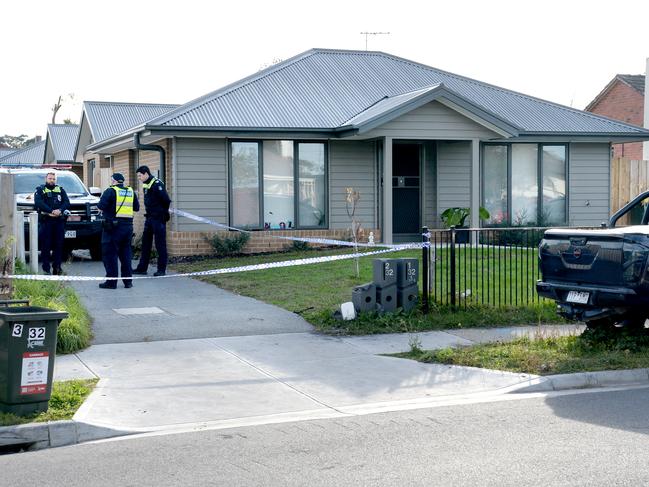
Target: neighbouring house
[(623, 99), (32, 155), (275, 152), (5, 151), (60, 144), (102, 120)]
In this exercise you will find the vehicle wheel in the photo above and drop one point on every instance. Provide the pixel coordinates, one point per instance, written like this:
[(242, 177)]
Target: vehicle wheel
[(95, 252)]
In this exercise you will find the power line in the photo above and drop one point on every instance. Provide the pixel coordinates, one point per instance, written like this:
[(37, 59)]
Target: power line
[(372, 34)]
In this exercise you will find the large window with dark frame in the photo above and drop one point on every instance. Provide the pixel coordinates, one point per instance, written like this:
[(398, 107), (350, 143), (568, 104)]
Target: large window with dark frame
[(525, 184), (278, 184)]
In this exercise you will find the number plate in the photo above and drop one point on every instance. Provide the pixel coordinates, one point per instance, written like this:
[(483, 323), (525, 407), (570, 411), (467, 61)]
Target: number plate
[(579, 297), (70, 234)]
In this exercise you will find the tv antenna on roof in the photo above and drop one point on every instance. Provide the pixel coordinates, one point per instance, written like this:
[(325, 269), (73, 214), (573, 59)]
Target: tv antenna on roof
[(372, 34)]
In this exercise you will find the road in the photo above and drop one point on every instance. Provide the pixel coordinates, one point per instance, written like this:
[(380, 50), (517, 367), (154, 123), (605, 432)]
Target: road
[(557, 439)]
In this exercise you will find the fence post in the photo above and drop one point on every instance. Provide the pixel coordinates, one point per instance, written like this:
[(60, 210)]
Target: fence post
[(6, 233), (452, 267), (425, 249), (20, 235), (33, 242)]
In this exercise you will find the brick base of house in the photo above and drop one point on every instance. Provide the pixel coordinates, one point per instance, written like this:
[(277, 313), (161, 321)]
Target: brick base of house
[(195, 243)]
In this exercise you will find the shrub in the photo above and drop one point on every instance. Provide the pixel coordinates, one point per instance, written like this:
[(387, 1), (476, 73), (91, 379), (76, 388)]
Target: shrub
[(228, 245), (299, 245)]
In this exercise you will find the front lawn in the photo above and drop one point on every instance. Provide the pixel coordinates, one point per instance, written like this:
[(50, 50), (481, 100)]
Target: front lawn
[(316, 290), (74, 333), (66, 398), (546, 356)]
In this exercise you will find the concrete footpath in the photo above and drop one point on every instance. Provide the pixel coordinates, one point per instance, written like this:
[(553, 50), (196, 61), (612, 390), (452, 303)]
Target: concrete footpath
[(181, 355), (186, 385)]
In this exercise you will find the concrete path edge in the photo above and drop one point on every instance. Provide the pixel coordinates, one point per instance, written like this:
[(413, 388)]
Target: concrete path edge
[(37, 436), (584, 380)]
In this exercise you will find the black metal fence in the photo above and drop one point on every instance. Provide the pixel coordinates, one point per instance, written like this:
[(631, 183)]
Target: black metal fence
[(481, 266)]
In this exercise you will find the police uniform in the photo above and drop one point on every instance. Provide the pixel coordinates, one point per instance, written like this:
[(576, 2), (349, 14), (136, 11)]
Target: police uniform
[(51, 229), (117, 204), (156, 204)]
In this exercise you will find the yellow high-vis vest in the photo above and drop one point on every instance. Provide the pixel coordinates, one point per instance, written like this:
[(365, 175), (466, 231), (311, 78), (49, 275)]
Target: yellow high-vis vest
[(57, 189), (123, 202)]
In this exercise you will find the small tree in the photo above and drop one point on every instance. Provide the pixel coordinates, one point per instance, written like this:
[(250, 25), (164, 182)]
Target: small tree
[(352, 198)]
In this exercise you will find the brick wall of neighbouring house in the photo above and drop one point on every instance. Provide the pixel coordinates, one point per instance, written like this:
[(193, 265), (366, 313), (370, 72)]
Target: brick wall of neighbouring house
[(625, 104), (194, 243)]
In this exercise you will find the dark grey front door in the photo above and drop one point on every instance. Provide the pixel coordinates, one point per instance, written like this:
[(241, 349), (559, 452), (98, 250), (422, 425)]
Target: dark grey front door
[(406, 211)]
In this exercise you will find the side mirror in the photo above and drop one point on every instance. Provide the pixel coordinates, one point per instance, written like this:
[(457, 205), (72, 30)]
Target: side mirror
[(95, 191)]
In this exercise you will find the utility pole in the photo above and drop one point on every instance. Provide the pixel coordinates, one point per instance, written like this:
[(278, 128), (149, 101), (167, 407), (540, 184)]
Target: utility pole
[(366, 34)]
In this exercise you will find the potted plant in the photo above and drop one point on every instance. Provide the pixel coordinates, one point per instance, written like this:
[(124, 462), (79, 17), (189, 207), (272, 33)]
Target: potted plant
[(456, 217)]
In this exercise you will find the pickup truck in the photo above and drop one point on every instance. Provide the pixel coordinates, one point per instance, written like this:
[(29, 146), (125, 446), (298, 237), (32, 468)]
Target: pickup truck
[(600, 276), (83, 226)]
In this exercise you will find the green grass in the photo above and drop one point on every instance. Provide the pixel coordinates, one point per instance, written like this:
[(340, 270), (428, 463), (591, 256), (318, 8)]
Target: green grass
[(316, 290), (546, 356), (74, 332), (66, 398)]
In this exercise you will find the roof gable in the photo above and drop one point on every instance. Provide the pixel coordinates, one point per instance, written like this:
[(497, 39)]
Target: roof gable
[(60, 143), (634, 81), (324, 89)]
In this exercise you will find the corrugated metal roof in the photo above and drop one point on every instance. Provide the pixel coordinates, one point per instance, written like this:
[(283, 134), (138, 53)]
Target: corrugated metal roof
[(63, 138), (5, 152), (636, 81), (326, 88), (33, 154), (111, 118)]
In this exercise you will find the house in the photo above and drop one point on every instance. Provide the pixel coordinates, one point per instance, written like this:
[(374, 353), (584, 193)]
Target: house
[(32, 155), (275, 152), (623, 99), (59, 146), (102, 120), (5, 151)]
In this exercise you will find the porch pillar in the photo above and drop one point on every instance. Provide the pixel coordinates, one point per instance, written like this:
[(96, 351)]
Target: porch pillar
[(475, 184), (387, 190)]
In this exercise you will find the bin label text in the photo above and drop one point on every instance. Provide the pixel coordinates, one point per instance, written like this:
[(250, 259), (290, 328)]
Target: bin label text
[(34, 373), (36, 337), (17, 330)]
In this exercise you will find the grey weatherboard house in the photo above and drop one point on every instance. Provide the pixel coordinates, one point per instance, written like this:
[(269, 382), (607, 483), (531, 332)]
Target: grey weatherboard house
[(277, 150)]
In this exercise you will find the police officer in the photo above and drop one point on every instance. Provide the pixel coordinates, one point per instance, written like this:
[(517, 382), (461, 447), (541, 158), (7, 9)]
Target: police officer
[(156, 204), (52, 203), (117, 204)]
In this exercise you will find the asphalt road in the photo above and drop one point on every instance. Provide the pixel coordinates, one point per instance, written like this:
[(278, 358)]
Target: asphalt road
[(581, 438)]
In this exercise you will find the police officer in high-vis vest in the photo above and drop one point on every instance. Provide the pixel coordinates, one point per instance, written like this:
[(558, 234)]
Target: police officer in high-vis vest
[(52, 203), (117, 204)]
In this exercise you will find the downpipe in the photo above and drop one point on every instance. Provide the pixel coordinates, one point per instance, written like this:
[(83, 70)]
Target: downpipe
[(157, 148)]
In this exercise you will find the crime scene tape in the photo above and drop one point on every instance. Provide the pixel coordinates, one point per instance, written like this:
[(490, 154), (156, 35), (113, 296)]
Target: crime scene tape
[(212, 272), (385, 248), (315, 240)]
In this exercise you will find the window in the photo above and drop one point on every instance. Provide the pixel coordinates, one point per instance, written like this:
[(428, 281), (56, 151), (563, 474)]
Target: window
[(525, 184), (278, 184)]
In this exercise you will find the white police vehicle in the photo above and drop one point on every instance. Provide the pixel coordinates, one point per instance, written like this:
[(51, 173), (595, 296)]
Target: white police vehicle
[(83, 225)]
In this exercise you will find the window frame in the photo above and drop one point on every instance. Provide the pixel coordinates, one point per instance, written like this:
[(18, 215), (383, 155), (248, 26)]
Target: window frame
[(296, 181), (539, 175)]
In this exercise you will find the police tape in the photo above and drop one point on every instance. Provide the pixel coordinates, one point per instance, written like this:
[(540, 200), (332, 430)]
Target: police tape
[(213, 272), (314, 240)]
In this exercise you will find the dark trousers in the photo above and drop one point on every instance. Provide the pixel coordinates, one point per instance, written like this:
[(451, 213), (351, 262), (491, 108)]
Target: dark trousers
[(116, 243), (157, 229), (50, 235)]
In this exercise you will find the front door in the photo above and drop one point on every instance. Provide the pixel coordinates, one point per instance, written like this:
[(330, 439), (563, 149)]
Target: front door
[(406, 208)]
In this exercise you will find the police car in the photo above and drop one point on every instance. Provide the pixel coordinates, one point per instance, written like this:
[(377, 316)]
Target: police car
[(83, 225)]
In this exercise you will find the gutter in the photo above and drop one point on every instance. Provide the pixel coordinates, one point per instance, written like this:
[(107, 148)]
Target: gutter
[(157, 148)]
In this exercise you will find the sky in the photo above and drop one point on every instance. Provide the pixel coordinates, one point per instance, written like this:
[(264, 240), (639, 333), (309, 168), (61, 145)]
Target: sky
[(174, 51)]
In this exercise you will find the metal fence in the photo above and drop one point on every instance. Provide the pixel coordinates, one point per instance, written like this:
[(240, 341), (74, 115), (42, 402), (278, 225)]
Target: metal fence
[(481, 266)]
